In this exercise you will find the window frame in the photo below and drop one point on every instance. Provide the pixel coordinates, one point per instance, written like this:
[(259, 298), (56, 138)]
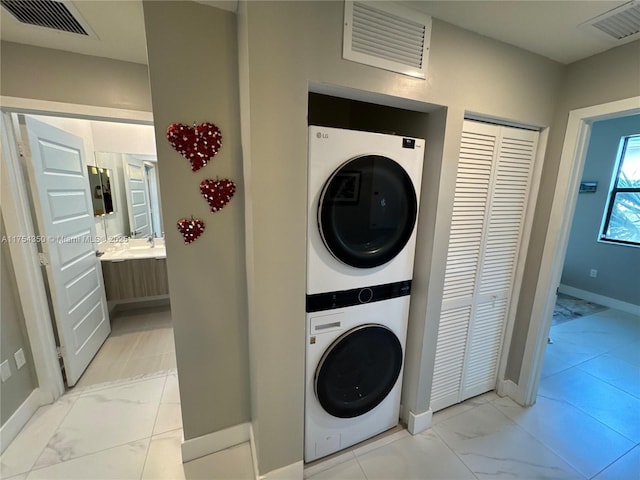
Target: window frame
[(613, 191)]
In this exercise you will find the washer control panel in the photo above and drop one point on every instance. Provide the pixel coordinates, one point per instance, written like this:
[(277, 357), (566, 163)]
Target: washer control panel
[(348, 298)]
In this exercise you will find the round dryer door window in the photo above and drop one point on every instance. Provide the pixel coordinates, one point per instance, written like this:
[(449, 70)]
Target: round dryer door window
[(367, 211), (358, 371)]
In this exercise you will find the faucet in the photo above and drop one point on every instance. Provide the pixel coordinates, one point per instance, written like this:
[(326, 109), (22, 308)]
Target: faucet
[(151, 241)]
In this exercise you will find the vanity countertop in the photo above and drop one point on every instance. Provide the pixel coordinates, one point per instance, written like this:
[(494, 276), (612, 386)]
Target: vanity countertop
[(134, 249)]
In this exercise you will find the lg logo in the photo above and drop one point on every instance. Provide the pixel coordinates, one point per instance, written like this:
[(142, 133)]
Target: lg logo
[(322, 135)]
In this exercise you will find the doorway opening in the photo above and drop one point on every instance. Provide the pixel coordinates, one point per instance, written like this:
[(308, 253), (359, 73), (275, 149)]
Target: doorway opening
[(579, 129), (141, 337)]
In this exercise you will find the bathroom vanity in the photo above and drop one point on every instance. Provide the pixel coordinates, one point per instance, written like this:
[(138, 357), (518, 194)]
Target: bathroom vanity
[(135, 271)]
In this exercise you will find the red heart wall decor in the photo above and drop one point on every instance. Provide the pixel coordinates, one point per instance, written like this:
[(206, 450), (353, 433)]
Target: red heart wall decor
[(190, 229), (217, 192), (198, 144)]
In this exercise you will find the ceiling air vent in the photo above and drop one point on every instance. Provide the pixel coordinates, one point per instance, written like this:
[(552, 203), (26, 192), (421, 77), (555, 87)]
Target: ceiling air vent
[(388, 36), (619, 23), (45, 13)]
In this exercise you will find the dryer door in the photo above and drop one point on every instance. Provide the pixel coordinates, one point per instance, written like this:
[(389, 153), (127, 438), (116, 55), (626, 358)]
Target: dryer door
[(358, 371), (367, 211)]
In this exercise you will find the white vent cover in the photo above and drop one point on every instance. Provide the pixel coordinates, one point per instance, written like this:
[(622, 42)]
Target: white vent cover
[(621, 22), (57, 15), (388, 36)]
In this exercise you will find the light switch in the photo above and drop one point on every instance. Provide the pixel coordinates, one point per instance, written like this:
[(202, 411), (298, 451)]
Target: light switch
[(5, 370), (20, 360)]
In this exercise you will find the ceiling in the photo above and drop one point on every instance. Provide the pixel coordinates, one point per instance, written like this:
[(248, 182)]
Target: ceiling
[(549, 28)]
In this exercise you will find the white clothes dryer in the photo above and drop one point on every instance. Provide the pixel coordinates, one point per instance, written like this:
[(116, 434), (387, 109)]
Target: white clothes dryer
[(364, 190), (354, 362)]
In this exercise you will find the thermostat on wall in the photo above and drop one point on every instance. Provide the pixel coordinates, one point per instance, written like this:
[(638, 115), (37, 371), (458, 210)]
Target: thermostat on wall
[(588, 187)]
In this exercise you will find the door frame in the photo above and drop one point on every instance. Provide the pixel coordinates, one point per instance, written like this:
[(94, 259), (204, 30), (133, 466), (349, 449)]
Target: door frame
[(572, 159), (18, 220)]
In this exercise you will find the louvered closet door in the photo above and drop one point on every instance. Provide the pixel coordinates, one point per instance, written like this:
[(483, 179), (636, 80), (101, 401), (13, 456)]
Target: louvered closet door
[(492, 186)]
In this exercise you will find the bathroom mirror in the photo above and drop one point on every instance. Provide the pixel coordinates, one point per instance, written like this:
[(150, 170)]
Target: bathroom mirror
[(135, 195), (101, 195)]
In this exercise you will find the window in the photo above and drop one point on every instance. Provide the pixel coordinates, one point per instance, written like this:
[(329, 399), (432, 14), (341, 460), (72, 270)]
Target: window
[(621, 223)]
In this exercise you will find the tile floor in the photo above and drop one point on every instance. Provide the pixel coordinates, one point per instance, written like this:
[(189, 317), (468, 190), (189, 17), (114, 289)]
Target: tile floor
[(141, 342), (585, 425)]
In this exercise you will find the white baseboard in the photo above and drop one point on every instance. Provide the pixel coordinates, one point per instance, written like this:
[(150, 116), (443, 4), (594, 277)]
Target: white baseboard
[(254, 455), (600, 299), (214, 442), (507, 388), (295, 471), (419, 422), (16, 422)]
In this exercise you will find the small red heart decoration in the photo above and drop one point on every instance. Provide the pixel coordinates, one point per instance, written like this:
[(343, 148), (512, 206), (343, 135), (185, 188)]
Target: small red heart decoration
[(217, 192), (190, 229), (198, 144)]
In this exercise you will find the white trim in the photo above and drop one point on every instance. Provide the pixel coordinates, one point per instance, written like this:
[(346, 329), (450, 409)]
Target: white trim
[(12, 427), (506, 388), (295, 471), (215, 442), (562, 209), (419, 422), (33, 298), (600, 299), (34, 106), (254, 455), (500, 121)]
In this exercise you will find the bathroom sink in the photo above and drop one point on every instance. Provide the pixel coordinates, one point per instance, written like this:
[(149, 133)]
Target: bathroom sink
[(135, 252), (145, 252)]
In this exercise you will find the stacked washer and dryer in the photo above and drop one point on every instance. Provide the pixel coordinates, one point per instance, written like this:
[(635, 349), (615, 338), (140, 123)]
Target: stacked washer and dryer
[(363, 198)]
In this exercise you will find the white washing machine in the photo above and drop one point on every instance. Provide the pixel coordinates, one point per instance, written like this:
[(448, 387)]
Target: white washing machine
[(364, 190), (362, 209), (354, 359)]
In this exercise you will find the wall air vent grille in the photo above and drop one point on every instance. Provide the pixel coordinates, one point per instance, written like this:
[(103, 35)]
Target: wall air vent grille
[(44, 13), (388, 36), (621, 22)]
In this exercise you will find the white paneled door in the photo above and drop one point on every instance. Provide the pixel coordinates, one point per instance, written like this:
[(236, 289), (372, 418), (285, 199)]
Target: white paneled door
[(66, 224), (137, 197), (492, 189)]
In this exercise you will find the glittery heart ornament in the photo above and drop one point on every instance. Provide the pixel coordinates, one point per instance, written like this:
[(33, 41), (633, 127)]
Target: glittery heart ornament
[(217, 192), (198, 144), (190, 229)]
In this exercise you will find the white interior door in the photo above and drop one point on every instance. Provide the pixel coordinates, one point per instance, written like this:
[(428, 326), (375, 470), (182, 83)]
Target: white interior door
[(64, 210), (137, 197), (154, 204)]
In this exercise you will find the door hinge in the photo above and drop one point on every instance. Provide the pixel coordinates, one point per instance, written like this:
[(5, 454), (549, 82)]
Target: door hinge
[(43, 259)]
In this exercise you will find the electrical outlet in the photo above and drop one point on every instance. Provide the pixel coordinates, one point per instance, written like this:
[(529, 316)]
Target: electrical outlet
[(593, 273), (5, 370), (20, 360)]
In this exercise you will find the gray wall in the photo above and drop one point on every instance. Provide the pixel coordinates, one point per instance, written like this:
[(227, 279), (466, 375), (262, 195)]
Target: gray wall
[(606, 77), (285, 48), (13, 336), (617, 265), (54, 75), (193, 68)]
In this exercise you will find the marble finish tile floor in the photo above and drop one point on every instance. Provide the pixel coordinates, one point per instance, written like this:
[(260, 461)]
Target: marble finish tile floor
[(141, 343), (583, 426)]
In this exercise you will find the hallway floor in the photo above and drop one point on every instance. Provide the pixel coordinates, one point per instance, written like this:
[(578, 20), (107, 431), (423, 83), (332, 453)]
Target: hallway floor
[(585, 425), (141, 342)]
